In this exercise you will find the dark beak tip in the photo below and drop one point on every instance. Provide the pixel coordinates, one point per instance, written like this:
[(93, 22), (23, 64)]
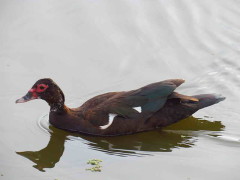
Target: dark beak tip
[(18, 100), (22, 100)]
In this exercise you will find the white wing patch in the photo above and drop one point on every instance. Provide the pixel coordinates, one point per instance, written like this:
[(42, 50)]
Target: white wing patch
[(138, 109), (110, 121)]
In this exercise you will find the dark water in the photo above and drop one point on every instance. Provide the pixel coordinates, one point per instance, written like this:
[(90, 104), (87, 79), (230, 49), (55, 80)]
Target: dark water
[(91, 47)]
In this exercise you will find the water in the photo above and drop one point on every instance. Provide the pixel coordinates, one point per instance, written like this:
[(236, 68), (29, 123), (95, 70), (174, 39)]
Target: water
[(91, 47)]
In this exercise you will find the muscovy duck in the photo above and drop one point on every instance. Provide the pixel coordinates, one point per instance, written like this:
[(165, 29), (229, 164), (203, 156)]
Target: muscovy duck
[(120, 113)]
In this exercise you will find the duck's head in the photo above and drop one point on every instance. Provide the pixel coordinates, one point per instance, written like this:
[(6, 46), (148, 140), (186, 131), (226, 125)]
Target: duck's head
[(47, 90)]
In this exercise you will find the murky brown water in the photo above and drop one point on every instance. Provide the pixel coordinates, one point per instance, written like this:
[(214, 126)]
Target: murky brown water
[(94, 46)]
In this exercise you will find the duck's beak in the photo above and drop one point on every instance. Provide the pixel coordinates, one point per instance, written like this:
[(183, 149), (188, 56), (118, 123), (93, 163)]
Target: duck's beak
[(28, 97)]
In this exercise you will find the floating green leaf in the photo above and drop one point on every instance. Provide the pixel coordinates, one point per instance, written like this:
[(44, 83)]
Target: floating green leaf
[(96, 164)]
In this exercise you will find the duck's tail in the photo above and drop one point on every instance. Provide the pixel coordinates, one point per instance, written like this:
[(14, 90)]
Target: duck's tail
[(206, 100)]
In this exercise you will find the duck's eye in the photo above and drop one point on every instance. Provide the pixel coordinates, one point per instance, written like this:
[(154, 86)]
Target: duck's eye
[(41, 87)]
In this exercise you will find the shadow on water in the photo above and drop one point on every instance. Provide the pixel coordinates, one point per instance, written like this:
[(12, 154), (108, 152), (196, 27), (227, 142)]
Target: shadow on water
[(179, 135)]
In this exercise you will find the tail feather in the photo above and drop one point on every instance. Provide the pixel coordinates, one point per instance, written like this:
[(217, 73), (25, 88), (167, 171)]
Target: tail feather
[(206, 100)]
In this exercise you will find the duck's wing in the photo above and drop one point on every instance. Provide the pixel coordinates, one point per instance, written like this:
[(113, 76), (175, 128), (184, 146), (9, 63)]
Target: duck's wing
[(140, 103)]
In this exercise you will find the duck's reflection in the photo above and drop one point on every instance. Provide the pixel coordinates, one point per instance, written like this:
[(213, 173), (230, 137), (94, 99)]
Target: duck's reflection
[(182, 134), (51, 154)]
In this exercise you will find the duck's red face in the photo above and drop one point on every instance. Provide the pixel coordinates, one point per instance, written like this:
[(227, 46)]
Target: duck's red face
[(34, 93), (38, 89)]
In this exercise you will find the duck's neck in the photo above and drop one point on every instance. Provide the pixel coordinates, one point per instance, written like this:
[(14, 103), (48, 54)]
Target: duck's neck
[(57, 107), (56, 103)]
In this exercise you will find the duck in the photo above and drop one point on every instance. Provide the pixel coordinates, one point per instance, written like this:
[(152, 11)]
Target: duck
[(120, 113)]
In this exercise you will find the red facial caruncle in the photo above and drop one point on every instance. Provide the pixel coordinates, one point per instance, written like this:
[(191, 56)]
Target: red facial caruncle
[(39, 89)]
